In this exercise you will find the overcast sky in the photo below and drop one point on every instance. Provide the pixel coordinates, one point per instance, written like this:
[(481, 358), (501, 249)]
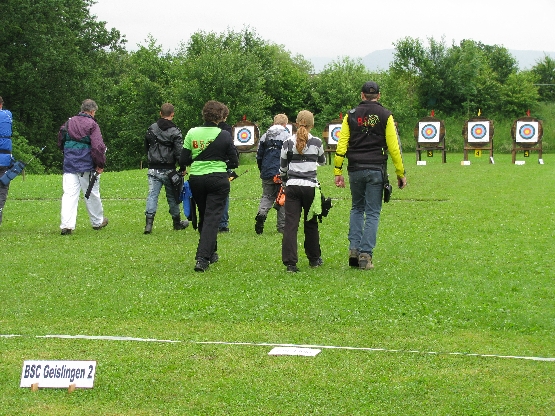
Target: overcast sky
[(324, 28)]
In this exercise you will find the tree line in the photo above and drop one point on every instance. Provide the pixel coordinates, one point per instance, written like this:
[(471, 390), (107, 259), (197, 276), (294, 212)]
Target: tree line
[(54, 54)]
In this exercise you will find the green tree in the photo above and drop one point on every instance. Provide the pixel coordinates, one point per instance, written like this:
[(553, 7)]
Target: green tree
[(50, 51), (519, 94), (136, 85), (337, 89), (545, 73)]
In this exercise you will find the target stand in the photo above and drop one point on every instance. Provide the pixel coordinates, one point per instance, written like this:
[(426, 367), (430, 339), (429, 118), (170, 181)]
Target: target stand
[(527, 134), (245, 136), (478, 136), (429, 134), (330, 136)]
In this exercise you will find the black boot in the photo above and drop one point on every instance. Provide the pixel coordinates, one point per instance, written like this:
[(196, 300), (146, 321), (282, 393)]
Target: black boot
[(149, 222), (178, 224), (259, 226)]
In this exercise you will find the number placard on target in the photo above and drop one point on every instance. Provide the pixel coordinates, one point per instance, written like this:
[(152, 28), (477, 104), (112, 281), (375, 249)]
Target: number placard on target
[(527, 132), (243, 136), (478, 131), (428, 131)]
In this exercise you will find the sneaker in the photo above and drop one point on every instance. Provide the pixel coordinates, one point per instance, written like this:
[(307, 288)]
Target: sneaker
[(291, 268), (214, 258), (316, 263), (365, 261), (66, 231), (104, 224), (223, 229), (202, 265), (353, 257)]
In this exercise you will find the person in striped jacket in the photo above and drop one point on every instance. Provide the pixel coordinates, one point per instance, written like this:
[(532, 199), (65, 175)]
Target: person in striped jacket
[(300, 156)]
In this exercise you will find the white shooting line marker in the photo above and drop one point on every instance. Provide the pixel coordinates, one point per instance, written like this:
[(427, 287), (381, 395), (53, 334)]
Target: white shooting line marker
[(264, 344), (331, 347), (108, 338)]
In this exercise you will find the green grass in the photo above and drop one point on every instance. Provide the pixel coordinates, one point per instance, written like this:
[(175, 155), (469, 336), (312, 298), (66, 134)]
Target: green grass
[(464, 264)]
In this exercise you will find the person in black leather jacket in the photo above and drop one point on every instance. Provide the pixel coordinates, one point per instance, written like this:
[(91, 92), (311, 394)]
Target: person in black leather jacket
[(163, 145)]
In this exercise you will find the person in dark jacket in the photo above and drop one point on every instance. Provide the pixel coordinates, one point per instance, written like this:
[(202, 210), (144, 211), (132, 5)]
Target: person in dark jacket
[(84, 151), (209, 151), (5, 151), (268, 159), (224, 222), (163, 145)]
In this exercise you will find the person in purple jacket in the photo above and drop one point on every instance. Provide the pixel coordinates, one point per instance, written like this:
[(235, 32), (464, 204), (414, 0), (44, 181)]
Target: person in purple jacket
[(84, 154)]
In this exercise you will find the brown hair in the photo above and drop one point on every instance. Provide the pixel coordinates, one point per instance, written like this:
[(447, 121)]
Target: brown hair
[(166, 110), (214, 111), (305, 122)]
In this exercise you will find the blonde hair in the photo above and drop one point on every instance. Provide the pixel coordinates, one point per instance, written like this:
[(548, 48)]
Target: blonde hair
[(305, 122), (280, 119)]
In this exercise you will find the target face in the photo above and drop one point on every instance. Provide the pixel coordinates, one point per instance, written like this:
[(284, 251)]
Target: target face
[(334, 130), (527, 131), (244, 136), (428, 131), (478, 131)]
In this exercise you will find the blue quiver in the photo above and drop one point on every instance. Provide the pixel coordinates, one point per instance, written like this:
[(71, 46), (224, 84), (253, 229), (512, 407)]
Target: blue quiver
[(186, 196), (12, 172)]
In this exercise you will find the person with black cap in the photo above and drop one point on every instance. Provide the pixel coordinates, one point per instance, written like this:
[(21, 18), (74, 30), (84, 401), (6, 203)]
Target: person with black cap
[(367, 133)]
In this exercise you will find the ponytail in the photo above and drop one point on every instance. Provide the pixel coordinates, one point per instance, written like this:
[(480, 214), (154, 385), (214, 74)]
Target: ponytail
[(302, 138)]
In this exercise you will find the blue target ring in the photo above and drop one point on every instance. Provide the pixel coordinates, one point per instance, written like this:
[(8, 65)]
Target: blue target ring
[(429, 132), (527, 131), (478, 131), (244, 135), (335, 134)]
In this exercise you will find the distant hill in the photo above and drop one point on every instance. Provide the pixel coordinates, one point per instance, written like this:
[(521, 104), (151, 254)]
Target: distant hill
[(380, 60)]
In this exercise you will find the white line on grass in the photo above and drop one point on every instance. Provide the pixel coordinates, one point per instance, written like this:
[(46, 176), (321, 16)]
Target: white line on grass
[(331, 347), (108, 338), (263, 344)]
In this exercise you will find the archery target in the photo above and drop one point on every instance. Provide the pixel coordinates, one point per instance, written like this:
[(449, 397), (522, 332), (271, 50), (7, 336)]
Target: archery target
[(527, 131), (334, 130), (428, 131), (478, 131), (244, 136)]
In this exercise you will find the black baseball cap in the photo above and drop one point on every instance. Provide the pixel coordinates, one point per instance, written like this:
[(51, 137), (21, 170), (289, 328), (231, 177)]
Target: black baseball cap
[(370, 87)]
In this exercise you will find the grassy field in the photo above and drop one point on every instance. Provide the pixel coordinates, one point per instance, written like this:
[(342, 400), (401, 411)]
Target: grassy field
[(462, 294)]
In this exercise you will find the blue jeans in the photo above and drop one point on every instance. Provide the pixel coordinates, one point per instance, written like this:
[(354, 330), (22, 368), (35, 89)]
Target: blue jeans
[(224, 222), (157, 179), (366, 192)]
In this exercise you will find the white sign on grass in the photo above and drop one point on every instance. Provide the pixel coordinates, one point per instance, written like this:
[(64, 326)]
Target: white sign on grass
[(58, 374)]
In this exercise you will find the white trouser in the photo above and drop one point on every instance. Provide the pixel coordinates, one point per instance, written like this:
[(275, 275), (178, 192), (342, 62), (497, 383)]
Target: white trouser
[(73, 184)]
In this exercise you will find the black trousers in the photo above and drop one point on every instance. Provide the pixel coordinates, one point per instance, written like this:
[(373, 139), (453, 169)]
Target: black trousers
[(210, 193), (298, 200)]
